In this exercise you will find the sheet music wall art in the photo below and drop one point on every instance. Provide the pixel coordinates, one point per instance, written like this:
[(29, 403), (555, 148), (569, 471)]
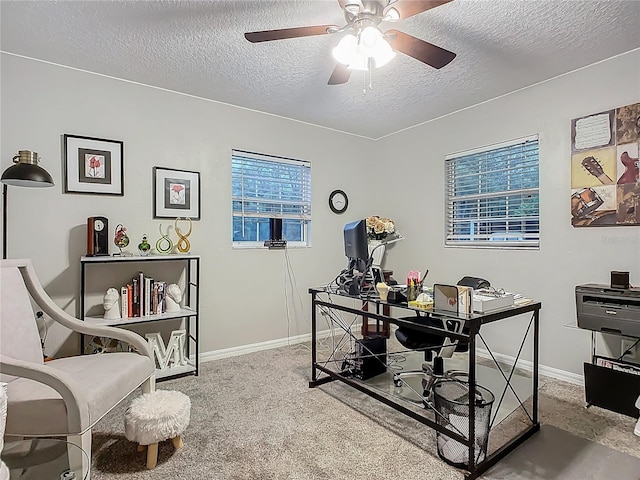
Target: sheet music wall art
[(605, 188)]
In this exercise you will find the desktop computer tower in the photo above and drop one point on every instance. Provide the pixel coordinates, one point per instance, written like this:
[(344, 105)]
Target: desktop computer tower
[(371, 357)]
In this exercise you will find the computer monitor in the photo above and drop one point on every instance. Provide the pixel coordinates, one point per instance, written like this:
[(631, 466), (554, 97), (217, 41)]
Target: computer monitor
[(356, 244)]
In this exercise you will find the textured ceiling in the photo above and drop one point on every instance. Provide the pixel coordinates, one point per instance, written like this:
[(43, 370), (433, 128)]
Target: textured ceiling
[(198, 48)]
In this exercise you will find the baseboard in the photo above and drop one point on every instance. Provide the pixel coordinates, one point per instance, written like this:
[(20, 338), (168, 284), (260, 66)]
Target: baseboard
[(257, 347), (556, 373), (526, 365)]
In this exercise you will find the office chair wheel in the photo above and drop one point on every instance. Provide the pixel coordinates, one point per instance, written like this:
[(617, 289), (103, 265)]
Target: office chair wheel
[(398, 382)]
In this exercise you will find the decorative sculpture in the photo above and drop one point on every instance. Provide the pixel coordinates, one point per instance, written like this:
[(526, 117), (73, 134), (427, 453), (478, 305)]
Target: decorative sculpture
[(111, 304), (143, 247), (173, 354), (121, 239), (173, 297), (164, 244), (183, 244)]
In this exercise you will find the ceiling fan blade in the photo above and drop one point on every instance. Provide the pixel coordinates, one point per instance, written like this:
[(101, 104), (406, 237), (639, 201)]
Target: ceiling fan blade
[(268, 35), (340, 75), (425, 52), (408, 8)]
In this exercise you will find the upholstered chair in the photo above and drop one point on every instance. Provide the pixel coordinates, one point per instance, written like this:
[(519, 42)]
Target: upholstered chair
[(64, 397)]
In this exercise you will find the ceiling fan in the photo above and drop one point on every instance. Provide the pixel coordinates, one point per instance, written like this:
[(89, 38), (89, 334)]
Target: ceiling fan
[(366, 45)]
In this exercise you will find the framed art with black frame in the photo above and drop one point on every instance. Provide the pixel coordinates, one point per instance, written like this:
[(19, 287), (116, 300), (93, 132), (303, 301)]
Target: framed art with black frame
[(93, 165), (176, 193)]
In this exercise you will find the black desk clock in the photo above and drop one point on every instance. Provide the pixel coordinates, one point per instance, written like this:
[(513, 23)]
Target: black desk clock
[(97, 236)]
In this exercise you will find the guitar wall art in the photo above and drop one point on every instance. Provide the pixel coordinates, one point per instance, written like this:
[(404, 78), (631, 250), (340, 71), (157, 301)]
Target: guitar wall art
[(605, 178)]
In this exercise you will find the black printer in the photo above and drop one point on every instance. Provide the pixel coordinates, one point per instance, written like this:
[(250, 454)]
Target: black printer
[(608, 310)]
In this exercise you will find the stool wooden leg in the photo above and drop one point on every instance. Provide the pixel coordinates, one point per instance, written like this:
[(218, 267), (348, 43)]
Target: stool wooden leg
[(141, 448), (152, 455), (177, 442)]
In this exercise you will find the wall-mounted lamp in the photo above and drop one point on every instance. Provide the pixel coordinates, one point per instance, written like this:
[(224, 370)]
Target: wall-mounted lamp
[(25, 173)]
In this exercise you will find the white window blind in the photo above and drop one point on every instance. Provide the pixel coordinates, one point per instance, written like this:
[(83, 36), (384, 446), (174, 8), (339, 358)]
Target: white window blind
[(265, 187), (492, 196)]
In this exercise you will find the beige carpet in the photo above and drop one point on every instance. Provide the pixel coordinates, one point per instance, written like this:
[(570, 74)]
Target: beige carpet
[(254, 417)]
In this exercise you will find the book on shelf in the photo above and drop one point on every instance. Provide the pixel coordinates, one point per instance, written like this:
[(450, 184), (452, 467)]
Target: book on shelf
[(142, 298), (136, 298), (124, 302), (129, 300), (141, 294), (148, 290)]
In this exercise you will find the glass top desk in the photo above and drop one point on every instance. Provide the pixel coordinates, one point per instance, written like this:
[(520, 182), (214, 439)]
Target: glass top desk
[(45, 459), (334, 305)]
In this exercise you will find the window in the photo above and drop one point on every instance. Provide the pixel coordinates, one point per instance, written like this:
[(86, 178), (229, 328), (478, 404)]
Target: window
[(492, 196), (265, 187)]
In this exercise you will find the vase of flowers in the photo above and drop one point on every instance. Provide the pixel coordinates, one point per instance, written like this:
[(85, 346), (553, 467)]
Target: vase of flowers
[(380, 231), (380, 228)]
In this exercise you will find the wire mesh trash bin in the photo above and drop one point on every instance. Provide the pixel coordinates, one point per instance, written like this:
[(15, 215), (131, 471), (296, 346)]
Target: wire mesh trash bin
[(451, 398)]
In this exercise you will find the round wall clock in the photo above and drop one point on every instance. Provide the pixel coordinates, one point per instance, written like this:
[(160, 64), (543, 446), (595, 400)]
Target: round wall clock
[(338, 201)]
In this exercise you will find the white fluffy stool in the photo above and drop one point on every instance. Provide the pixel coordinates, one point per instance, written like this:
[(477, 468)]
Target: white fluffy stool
[(154, 417)]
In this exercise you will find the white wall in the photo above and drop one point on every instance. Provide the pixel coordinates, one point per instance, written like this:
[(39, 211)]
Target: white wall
[(568, 256), (245, 294)]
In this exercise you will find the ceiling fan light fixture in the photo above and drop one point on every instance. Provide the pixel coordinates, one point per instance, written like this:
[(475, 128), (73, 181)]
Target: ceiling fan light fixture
[(392, 15), (384, 54), (369, 40), (359, 62), (346, 49), (352, 8)]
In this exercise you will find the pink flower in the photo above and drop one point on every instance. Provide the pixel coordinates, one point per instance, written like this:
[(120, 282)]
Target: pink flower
[(94, 162), (176, 187)]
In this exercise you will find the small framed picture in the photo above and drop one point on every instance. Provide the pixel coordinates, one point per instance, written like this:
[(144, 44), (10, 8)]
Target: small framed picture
[(93, 165), (176, 193)]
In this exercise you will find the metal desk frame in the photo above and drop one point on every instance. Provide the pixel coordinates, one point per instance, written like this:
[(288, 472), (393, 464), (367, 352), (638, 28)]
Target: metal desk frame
[(320, 298)]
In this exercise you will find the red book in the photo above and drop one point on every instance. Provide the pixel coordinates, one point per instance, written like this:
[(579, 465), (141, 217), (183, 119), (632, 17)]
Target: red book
[(130, 300)]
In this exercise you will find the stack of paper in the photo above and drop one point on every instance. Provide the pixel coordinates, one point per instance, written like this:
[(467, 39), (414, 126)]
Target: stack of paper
[(486, 303)]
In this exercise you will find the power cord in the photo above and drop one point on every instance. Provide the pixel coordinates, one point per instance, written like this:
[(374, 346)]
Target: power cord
[(628, 350)]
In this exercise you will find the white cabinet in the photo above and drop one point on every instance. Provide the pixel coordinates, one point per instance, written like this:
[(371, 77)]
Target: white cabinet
[(101, 272)]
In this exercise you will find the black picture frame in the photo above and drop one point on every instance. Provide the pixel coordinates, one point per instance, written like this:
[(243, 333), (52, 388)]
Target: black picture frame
[(176, 193), (93, 166)]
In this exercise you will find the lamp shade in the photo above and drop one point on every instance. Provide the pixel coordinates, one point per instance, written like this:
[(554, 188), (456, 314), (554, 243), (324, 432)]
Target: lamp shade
[(26, 172)]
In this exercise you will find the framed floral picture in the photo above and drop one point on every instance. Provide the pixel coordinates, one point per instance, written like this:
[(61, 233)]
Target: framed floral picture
[(93, 165), (176, 193)]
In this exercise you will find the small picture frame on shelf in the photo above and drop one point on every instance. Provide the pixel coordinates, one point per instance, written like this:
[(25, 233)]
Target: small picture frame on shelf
[(93, 166), (176, 193)]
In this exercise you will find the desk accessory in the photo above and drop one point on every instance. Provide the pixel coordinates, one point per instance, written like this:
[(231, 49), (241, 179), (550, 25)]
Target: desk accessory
[(445, 297), (485, 301), (396, 295), (97, 236), (383, 290)]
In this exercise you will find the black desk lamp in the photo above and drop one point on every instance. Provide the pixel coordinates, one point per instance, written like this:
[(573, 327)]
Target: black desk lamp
[(25, 173)]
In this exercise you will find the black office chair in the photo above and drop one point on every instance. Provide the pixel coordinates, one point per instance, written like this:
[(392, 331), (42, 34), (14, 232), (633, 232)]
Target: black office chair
[(435, 347)]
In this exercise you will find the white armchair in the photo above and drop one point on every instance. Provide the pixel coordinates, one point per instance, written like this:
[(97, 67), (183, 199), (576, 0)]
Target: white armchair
[(66, 396)]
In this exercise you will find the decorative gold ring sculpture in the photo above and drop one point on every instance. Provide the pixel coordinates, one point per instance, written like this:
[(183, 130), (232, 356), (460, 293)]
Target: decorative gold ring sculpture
[(183, 244)]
